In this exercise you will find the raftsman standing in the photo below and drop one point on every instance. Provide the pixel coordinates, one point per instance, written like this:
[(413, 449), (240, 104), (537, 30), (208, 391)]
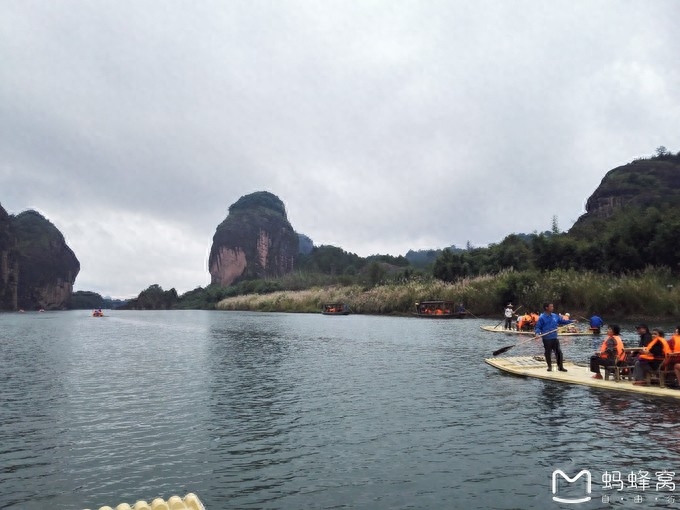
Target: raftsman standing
[(508, 312), (546, 326)]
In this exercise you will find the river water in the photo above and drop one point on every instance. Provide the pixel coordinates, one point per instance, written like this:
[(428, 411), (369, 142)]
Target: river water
[(294, 411)]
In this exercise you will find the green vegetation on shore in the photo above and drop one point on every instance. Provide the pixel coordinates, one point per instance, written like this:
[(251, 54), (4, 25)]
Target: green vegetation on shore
[(644, 294)]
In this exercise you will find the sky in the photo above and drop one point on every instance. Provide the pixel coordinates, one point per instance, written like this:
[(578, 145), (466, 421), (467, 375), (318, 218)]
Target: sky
[(383, 126)]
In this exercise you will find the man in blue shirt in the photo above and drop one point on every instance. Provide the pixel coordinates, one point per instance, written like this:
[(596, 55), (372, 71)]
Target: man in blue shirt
[(596, 324), (546, 326)]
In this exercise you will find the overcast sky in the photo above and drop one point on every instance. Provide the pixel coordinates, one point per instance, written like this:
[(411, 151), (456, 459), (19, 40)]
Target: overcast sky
[(383, 126)]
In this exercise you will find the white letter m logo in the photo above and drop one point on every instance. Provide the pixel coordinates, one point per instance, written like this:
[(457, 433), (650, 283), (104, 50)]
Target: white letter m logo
[(571, 480)]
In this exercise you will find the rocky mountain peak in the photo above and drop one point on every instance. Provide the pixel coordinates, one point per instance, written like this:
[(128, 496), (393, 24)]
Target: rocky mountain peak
[(254, 241)]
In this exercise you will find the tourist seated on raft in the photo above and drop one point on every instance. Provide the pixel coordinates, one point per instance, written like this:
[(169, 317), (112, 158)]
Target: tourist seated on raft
[(534, 318), (611, 351), (674, 341), (525, 323), (645, 335), (674, 344), (676, 349), (645, 338), (650, 357), (520, 322), (571, 328)]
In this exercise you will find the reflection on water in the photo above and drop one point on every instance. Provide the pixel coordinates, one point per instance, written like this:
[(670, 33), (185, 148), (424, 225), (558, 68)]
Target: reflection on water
[(258, 410), (250, 402)]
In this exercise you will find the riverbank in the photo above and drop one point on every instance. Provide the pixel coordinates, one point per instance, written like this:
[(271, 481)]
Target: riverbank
[(648, 295)]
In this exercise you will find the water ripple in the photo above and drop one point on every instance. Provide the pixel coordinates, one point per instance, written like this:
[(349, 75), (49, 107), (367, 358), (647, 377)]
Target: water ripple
[(262, 410)]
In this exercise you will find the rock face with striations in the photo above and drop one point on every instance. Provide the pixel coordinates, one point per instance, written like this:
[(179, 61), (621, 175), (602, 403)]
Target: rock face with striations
[(254, 241), (640, 184), (9, 265), (47, 266)]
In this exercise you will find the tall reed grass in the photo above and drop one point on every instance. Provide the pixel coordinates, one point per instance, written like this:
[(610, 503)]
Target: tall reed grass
[(651, 293)]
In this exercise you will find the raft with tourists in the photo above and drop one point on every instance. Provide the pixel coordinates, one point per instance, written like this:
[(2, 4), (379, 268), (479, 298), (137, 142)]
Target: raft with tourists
[(335, 309), (439, 310), (534, 366), (569, 330)]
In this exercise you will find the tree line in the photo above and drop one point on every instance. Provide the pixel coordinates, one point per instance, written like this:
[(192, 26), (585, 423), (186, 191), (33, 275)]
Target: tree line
[(629, 242)]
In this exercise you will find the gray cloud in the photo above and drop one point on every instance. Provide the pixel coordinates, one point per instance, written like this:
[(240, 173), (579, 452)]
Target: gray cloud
[(383, 126)]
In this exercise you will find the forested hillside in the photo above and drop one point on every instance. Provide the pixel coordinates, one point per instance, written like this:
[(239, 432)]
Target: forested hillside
[(632, 221)]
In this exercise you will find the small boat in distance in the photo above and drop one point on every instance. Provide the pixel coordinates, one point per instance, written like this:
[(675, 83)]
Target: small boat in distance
[(98, 313), (440, 310), (335, 309)]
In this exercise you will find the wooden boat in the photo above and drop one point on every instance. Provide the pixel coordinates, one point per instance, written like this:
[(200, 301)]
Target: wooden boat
[(335, 309), (439, 310), (562, 331), (535, 366), (97, 313)]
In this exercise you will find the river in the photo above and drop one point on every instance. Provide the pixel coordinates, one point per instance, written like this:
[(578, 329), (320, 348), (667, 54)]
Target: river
[(296, 411)]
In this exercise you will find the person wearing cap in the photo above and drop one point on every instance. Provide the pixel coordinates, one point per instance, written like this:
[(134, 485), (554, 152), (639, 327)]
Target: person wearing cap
[(546, 327), (509, 312)]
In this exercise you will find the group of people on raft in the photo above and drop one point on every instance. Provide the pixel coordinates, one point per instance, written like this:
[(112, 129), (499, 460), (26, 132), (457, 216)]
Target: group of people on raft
[(528, 320), (652, 350)]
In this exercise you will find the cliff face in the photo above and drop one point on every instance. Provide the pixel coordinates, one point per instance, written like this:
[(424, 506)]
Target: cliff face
[(9, 265), (305, 244), (643, 183), (47, 266), (254, 241)]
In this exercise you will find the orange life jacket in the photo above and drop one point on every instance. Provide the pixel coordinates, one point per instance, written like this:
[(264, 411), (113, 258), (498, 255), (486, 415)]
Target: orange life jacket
[(620, 354), (674, 343), (647, 354), (523, 320)]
